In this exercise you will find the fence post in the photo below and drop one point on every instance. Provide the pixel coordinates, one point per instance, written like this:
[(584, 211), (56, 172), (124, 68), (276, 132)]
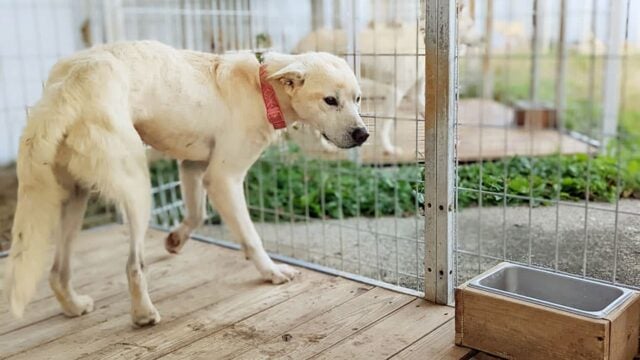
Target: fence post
[(487, 74), (113, 20), (612, 68), (536, 48), (561, 66), (440, 115)]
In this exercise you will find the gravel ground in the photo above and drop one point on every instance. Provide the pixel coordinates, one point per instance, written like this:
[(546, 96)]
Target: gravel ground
[(386, 248), (363, 246)]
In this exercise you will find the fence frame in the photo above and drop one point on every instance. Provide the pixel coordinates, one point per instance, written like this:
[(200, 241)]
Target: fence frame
[(440, 114)]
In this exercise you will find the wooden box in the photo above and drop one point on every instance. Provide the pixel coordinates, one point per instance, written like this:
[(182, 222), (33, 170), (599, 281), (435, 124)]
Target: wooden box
[(517, 329), (534, 115)]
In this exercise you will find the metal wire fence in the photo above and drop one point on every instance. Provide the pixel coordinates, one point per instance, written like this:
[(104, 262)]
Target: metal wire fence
[(555, 180), (356, 212), (547, 133)]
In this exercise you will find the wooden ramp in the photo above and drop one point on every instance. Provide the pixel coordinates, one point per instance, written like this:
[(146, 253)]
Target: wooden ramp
[(485, 132), (214, 306)]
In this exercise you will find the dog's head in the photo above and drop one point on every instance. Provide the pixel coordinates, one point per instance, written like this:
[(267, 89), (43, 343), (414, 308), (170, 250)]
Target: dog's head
[(324, 93)]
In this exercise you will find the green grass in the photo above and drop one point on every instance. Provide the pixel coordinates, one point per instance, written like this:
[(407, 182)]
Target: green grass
[(291, 187), (584, 86)]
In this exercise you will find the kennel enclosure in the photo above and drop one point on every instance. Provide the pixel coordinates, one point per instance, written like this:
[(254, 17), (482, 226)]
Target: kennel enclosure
[(471, 187)]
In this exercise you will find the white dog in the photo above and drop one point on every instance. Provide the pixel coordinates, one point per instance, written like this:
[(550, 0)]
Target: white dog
[(385, 77), (214, 113), (392, 65)]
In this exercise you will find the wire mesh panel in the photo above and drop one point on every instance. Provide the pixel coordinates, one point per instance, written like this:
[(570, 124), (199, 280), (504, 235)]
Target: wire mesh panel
[(548, 139), (35, 34), (358, 211)]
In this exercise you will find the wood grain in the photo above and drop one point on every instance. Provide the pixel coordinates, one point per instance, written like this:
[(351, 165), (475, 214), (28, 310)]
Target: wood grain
[(213, 304), (436, 345), (100, 275), (625, 330), (517, 329), (272, 323), (392, 334), (331, 327), (61, 337)]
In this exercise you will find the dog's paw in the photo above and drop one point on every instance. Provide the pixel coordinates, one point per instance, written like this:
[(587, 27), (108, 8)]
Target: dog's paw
[(81, 304), (281, 273), (147, 317), (175, 241), (392, 151)]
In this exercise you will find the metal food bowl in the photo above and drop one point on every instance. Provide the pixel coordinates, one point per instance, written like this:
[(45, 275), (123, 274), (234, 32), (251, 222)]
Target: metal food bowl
[(555, 290)]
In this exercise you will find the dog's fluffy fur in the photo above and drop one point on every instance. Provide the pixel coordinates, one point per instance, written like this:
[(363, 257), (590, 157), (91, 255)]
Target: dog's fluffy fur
[(88, 131)]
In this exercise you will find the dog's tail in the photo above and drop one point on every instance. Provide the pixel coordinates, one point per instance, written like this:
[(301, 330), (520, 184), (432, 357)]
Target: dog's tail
[(40, 196)]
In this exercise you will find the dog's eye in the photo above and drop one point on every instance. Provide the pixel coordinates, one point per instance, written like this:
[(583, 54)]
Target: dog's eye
[(330, 100), (358, 99)]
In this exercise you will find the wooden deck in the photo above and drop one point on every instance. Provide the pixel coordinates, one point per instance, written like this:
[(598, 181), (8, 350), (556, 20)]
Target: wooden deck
[(214, 305), (485, 132)]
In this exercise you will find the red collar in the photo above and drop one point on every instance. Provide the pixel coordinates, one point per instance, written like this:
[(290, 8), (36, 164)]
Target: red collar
[(271, 105)]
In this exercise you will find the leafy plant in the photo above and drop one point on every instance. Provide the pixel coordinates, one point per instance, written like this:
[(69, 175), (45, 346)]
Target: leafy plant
[(289, 186)]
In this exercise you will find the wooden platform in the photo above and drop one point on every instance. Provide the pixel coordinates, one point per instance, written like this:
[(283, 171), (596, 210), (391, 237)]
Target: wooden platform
[(214, 305), (485, 132)]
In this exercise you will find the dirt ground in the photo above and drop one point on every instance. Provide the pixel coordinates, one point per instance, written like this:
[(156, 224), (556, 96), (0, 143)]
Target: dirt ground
[(8, 195), (385, 248), (98, 212)]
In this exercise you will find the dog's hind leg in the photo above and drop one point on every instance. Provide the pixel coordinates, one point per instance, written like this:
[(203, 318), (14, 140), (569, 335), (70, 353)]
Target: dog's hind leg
[(130, 186), (73, 210), (387, 99), (117, 167), (193, 196)]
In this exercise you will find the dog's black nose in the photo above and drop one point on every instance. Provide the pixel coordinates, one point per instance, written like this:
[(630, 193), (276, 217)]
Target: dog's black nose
[(360, 135)]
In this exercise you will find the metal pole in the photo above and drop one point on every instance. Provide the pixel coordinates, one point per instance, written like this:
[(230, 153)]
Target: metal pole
[(440, 115), (561, 66), (487, 75), (612, 68), (536, 48)]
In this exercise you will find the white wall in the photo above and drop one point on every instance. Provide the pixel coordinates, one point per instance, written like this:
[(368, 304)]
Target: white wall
[(34, 33)]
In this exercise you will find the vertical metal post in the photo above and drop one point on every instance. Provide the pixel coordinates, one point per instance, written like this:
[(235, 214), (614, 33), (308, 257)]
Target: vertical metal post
[(440, 115), (113, 20), (612, 68), (487, 74), (317, 14), (536, 48), (561, 66)]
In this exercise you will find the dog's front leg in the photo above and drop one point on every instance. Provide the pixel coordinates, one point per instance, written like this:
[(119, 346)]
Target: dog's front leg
[(226, 192), (193, 196)]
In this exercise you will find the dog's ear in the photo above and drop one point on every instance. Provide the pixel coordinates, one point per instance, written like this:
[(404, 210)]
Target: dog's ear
[(291, 76)]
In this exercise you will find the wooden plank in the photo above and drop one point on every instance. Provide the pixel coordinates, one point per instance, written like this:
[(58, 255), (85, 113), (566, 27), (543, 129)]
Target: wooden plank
[(113, 312), (106, 264), (625, 324), (484, 356), (106, 255), (259, 328), (325, 330), (393, 333), (437, 345), (189, 317), (506, 329)]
